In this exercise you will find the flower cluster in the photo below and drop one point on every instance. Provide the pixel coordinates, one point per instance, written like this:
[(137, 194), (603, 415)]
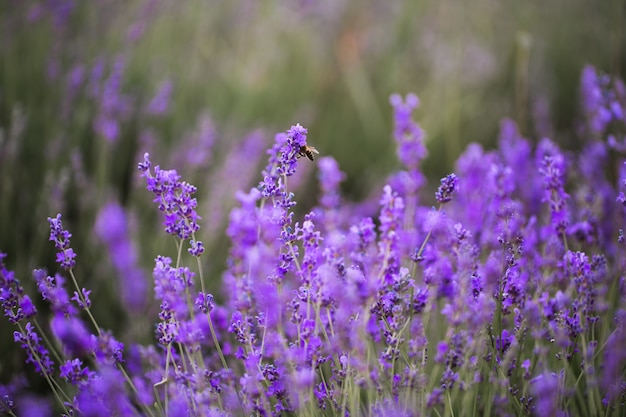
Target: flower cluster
[(410, 139), (61, 238), (604, 106), (175, 201), (505, 298), (448, 185)]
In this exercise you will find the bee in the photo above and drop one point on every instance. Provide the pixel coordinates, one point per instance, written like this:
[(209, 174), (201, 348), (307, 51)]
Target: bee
[(308, 151)]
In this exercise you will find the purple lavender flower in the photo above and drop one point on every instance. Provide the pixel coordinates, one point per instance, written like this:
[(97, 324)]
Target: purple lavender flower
[(36, 353), (204, 302), (196, 247), (449, 184), (435, 398), (407, 133), (104, 395), (16, 305), (171, 285), (174, 200), (244, 234), (74, 372), (622, 179), (237, 172), (473, 168), (281, 165), (604, 101), (197, 147), (72, 334), (391, 216), (516, 154), (106, 349), (593, 90), (96, 74), (111, 226), (52, 289), (159, 104), (410, 140), (612, 379), (61, 238), (114, 106), (363, 239), (82, 299), (107, 126), (296, 140), (74, 82), (7, 405), (329, 177), (552, 168), (282, 162), (420, 299), (593, 199), (545, 389), (311, 240)]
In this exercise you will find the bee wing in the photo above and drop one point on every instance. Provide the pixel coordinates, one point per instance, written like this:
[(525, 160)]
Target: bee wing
[(313, 149)]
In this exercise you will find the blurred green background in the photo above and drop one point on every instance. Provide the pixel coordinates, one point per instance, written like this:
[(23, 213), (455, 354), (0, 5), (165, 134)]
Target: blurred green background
[(68, 67)]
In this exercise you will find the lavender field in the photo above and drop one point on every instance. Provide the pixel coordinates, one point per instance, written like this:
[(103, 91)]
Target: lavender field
[(194, 223)]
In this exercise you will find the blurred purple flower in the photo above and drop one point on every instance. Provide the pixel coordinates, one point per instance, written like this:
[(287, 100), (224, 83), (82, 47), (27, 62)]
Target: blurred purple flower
[(237, 173), (410, 140), (593, 88), (112, 228), (113, 105), (72, 334), (552, 168), (107, 350), (105, 395), (59, 11), (197, 147), (408, 134), (622, 180), (146, 12), (612, 380), (604, 101), (7, 393), (329, 177), (545, 389), (160, 102)]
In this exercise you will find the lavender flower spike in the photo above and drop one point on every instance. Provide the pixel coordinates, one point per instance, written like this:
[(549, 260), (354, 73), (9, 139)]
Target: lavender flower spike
[(174, 199), (552, 169), (449, 184), (16, 305), (407, 133), (61, 238)]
